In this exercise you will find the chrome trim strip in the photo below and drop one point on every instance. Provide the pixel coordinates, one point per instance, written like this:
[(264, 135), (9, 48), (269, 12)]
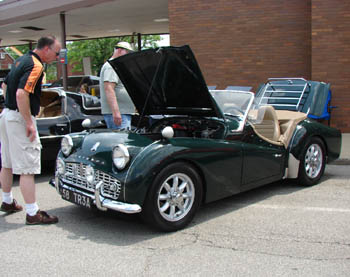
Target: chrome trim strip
[(48, 137), (103, 203), (293, 78), (43, 118), (83, 99)]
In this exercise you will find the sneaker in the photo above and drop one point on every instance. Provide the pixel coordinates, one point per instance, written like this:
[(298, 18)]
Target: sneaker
[(41, 217), (11, 208)]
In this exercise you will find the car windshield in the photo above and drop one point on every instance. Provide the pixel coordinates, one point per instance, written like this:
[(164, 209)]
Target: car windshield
[(234, 103)]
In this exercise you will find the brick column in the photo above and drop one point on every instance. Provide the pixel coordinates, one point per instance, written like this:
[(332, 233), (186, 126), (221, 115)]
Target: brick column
[(331, 54)]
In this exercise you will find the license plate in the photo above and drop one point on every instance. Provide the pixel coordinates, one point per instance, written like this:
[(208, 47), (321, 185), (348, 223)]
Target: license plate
[(76, 198)]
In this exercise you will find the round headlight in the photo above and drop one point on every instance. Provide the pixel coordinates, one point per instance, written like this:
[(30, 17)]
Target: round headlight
[(66, 145), (60, 166), (90, 174), (120, 156)]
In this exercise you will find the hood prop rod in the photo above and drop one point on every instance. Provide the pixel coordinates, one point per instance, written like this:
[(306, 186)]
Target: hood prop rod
[(150, 89)]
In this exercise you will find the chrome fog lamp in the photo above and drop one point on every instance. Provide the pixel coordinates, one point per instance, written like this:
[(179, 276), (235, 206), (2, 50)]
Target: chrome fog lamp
[(121, 156), (60, 166), (90, 174), (66, 145)]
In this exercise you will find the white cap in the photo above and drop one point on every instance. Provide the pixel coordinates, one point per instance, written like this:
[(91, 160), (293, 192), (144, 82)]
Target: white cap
[(124, 45)]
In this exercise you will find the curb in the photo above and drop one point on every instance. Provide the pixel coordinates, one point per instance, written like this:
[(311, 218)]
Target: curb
[(341, 162)]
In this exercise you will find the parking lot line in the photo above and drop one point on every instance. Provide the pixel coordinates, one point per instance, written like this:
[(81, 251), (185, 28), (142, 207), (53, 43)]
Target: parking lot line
[(314, 209)]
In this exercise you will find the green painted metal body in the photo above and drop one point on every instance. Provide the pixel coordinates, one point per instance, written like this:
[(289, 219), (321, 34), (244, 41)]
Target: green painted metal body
[(310, 128), (232, 164), (228, 165)]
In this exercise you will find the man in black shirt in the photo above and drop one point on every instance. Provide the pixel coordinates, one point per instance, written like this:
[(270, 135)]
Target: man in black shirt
[(20, 142)]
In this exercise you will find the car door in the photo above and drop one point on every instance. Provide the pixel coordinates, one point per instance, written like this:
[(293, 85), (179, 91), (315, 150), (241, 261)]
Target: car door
[(263, 163)]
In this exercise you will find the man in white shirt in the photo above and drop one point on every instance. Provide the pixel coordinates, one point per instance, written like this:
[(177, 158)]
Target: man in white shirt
[(117, 106)]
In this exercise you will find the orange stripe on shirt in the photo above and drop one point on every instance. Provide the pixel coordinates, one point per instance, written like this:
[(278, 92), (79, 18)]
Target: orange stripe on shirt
[(34, 75)]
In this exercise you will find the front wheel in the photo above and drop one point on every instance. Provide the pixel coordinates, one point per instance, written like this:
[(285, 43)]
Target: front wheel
[(174, 197), (312, 162)]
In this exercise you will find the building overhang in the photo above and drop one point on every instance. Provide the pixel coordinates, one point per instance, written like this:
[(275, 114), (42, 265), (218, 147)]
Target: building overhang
[(26, 21)]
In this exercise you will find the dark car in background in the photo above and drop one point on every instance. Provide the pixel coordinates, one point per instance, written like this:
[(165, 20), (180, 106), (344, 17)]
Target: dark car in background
[(3, 74), (207, 145), (74, 83), (61, 113)]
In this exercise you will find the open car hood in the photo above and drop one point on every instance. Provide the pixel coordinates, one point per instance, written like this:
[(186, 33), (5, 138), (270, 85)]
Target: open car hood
[(166, 81)]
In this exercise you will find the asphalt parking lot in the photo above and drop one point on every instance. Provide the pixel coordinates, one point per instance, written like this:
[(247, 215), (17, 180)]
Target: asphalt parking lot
[(278, 230)]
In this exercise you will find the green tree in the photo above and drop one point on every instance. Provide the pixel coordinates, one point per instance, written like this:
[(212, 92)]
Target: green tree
[(22, 48), (100, 50)]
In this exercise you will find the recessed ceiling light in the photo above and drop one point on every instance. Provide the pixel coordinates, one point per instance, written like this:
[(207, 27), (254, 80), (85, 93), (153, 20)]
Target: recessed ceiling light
[(161, 20), (78, 36), (15, 31), (33, 28), (114, 30), (27, 40)]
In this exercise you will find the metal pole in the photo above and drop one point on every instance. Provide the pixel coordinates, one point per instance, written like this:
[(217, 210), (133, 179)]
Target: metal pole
[(63, 42), (139, 41)]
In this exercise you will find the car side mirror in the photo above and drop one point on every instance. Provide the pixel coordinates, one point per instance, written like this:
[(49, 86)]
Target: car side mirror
[(168, 132)]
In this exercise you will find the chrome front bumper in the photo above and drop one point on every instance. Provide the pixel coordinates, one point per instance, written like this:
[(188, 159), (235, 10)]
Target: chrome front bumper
[(101, 202)]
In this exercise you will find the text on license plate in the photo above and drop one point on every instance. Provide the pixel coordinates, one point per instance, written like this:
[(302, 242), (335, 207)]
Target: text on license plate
[(76, 197)]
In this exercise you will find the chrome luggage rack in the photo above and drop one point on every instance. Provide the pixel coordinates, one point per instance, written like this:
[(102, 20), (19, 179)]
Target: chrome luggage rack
[(290, 93)]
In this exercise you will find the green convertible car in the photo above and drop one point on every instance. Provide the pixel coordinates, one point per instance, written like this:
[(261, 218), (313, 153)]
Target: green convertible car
[(190, 146)]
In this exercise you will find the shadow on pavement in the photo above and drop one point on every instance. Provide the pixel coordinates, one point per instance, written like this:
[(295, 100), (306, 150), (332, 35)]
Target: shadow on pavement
[(121, 229), (113, 228)]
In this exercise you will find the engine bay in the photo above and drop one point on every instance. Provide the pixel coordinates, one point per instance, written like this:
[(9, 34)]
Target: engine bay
[(188, 127)]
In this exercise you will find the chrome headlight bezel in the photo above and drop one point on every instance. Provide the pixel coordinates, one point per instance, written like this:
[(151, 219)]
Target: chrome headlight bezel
[(120, 156), (66, 145)]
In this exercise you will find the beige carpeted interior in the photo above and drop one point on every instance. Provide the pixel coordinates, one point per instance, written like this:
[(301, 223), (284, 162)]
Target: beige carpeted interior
[(50, 104)]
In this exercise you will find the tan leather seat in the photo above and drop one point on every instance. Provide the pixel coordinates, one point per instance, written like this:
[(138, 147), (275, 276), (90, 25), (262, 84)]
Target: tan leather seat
[(267, 123)]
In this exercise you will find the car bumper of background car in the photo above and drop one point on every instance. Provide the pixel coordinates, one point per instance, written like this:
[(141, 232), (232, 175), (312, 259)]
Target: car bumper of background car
[(82, 198)]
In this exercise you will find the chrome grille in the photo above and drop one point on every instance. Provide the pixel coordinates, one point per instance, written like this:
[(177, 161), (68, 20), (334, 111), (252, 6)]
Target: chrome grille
[(75, 175), (111, 186)]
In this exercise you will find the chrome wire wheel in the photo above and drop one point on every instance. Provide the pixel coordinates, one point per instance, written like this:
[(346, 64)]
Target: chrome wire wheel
[(176, 197), (313, 162)]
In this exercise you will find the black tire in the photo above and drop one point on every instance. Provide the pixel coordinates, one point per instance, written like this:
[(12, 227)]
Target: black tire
[(166, 197), (312, 162)]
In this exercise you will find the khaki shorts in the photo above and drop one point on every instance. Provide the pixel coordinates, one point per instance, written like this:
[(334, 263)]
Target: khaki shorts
[(17, 152)]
